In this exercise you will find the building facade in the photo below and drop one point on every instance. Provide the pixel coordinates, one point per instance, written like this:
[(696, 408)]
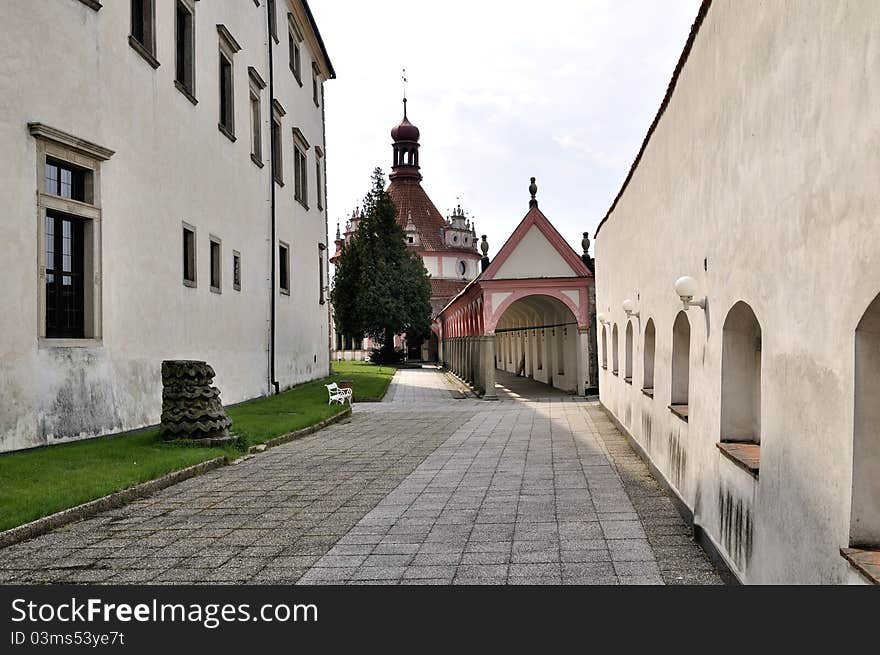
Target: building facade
[(448, 247), (164, 198), (752, 384)]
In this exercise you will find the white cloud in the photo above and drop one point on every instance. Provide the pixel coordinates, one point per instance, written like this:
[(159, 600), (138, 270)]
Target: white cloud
[(563, 90)]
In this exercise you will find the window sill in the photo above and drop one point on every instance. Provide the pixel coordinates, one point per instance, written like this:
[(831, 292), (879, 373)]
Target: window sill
[(187, 93), (229, 134), (257, 160), (628, 380), (92, 4), (191, 284), (236, 287), (614, 373), (745, 455), (216, 290), (648, 392), (139, 48), (279, 182), (681, 411), (304, 205), (604, 367), (865, 561), (46, 342), (285, 292)]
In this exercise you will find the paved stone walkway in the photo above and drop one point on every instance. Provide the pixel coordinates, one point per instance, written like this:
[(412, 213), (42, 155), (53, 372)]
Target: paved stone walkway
[(422, 489)]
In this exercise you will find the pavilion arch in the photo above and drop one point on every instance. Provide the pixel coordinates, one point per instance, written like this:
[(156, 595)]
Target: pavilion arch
[(540, 338), (648, 358), (865, 516), (741, 376)]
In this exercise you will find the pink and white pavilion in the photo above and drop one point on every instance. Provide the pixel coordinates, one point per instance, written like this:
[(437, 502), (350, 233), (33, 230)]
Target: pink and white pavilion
[(528, 313)]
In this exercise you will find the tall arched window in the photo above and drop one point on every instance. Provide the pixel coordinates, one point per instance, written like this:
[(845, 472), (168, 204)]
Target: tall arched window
[(741, 376), (681, 365), (604, 347), (648, 355), (614, 360), (865, 519), (628, 354)]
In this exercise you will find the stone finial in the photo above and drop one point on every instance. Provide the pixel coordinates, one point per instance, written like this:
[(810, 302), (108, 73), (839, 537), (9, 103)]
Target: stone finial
[(585, 242), (484, 246), (338, 233), (533, 189)]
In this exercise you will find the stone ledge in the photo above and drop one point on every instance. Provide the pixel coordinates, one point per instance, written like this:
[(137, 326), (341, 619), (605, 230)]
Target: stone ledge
[(649, 392), (865, 561), (745, 455), (681, 411), (112, 501)]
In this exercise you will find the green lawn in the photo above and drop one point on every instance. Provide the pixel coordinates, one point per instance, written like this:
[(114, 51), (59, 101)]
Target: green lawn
[(39, 482)]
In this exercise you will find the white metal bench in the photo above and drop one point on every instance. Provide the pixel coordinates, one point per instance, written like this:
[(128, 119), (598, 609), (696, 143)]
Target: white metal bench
[(338, 394)]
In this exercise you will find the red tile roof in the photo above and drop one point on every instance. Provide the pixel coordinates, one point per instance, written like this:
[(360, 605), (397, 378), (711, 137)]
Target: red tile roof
[(442, 291), (410, 197)]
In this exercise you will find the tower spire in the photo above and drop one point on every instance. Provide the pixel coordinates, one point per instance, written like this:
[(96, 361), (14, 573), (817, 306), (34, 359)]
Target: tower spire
[(404, 80)]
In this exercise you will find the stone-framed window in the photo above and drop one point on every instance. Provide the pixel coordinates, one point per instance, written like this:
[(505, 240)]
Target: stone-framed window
[(143, 30), (294, 41), (300, 168), (256, 105), (319, 178), (277, 146), (190, 256), (228, 47), (69, 241), (284, 267), (216, 264), (273, 19), (236, 270), (185, 48), (316, 84)]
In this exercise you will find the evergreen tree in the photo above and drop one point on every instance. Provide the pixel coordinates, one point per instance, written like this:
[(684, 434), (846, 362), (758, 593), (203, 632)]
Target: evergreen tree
[(381, 288)]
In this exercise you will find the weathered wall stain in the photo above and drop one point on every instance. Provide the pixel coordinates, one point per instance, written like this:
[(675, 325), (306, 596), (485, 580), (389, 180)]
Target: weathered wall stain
[(736, 528), (677, 460), (646, 430)]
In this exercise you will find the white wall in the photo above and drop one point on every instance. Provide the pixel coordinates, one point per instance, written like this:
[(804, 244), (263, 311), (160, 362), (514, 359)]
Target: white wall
[(759, 181), (171, 164)]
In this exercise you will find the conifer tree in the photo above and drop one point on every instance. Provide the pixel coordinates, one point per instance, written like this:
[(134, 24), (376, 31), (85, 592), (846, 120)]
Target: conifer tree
[(381, 288)]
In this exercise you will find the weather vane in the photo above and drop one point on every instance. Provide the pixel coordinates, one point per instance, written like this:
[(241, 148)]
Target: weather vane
[(404, 80)]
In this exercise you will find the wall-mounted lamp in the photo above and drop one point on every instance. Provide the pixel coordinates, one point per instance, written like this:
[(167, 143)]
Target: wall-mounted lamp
[(602, 319), (629, 306), (686, 288)]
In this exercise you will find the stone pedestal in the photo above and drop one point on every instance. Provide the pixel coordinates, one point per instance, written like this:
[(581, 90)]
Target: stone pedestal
[(191, 407)]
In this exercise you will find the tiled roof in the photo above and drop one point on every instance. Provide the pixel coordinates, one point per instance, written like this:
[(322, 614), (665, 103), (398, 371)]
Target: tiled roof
[(410, 197), (442, 291)]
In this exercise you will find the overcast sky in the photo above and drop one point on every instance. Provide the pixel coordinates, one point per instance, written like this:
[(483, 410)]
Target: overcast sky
[(502, 90)]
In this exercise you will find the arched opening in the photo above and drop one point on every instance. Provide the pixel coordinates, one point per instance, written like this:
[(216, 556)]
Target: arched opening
[(648, 359), (538, 340), (741, 376), (604, 348), (865, 518), (681, 365), (614, 355), (628, 354)]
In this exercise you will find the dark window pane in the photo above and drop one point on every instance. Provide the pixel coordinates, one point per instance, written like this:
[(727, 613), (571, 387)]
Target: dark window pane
[(65, 307), (51, 178), (137, 20)]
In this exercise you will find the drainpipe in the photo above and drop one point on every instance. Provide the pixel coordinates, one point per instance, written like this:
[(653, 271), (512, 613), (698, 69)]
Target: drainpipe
[(273, 383)]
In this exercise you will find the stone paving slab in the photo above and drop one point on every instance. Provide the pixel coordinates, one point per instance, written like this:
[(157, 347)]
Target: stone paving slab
[(424, 489)]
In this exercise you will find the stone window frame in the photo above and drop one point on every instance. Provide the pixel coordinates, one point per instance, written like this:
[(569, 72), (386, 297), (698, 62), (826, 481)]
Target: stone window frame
[(284, 265), (301, 168), (227, 46), (316, 82), (194, 282), (214, 240), (236, 270), (256, 86), (319, 177), (294, 40), (70, 149), (145, 50), (189, 92), (277, 142)]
